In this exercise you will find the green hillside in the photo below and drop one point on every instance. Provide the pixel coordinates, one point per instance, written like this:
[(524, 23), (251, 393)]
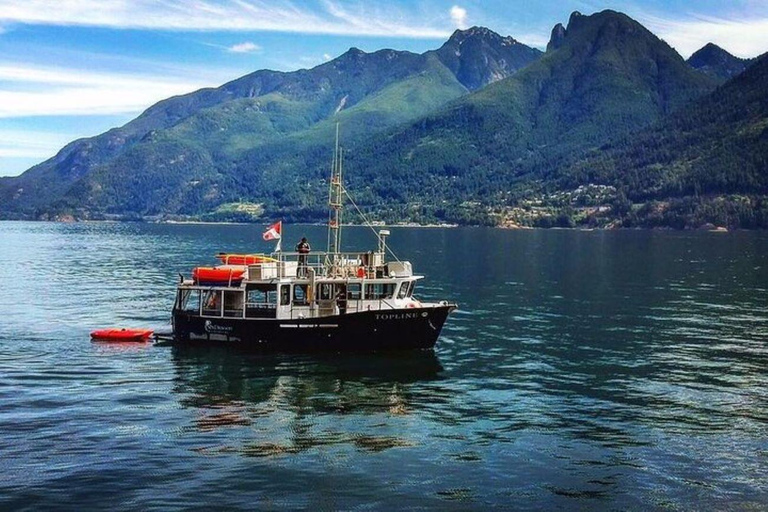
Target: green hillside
[(182, 155), (484, 153), (707, 163)]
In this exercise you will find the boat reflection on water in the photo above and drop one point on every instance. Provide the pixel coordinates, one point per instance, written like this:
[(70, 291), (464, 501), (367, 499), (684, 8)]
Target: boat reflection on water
[(290, 404)]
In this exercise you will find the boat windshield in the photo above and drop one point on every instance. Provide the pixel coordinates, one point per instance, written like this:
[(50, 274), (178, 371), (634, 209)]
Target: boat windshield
[(189, 301)]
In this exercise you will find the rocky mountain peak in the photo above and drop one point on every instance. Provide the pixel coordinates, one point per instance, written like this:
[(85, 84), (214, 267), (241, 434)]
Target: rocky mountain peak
[(717, 62), (606, 30), (460, 36), (613, 20), (557, 37), (479, 56), (353, 52), (480, 34)]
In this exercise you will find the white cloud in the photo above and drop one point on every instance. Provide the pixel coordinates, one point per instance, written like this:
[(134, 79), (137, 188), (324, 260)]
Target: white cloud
[(227, 15), (746, 37), (327, 56), (52, 91), (30, 143), (246, 47), (459, 16)]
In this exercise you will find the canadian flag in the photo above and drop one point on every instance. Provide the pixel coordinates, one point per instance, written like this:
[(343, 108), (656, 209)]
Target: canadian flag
[(273, 231)]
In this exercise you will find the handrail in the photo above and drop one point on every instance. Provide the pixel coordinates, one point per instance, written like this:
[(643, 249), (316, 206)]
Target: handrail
[(327, 264)]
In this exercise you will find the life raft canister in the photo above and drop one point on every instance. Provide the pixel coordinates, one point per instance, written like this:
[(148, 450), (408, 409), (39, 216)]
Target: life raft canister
[(217, 276)]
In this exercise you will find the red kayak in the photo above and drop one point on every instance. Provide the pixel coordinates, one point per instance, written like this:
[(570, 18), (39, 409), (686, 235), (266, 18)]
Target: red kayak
[(121, 335), (217, 276), (243, 259)]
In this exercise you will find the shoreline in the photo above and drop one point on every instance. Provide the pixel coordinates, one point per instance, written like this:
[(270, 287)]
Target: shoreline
[(714, 229)]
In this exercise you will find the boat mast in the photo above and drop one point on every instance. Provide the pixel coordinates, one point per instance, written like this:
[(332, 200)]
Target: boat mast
[(335, 198)]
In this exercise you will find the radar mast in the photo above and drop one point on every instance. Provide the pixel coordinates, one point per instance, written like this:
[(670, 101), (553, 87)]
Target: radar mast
[(335, 200)]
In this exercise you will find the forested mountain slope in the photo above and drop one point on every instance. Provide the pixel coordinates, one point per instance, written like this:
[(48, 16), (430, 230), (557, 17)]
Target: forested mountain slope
[(707, 163), (605, 76), (718, 63), (181, 154)]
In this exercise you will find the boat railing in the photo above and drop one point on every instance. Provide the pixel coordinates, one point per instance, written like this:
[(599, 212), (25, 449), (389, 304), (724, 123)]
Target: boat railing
[(322, 264)]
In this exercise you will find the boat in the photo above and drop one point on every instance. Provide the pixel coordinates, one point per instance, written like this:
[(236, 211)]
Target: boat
[(318, 302), (122, 335)]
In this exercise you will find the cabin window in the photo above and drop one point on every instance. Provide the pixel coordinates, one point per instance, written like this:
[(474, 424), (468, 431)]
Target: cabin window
[(261, 301), (285, 295), (378, 291), (233, 304), (403, 293), (300, 294), (261, 294), (212, 303), (354, 291), (325, 291), (189, 301), (411, 285), (329, 291)]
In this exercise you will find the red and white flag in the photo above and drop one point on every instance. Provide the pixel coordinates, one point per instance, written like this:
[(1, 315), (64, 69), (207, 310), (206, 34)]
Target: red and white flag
[(273, 232)]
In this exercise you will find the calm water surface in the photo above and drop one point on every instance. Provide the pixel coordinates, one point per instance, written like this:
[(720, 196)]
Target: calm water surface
[(585, 370)]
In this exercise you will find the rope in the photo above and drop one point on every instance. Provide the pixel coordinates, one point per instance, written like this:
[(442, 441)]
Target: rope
[(368, 223)]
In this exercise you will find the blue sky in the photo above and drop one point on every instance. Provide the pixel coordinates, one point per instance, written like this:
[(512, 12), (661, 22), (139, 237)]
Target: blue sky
[(74, 68)]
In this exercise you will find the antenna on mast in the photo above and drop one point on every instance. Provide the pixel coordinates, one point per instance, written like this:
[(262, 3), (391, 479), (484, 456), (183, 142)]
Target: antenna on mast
[(335, 198)]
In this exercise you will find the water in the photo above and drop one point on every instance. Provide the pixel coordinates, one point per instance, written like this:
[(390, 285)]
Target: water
[(585, 370)]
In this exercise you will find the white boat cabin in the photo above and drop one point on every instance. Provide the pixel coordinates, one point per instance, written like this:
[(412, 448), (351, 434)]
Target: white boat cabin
[(295, 286)]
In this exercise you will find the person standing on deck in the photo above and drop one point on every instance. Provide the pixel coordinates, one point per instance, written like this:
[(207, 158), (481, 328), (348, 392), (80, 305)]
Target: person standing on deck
[(303, 249)]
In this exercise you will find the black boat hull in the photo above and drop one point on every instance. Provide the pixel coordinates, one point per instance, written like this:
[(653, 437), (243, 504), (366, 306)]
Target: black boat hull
[(397, 329)]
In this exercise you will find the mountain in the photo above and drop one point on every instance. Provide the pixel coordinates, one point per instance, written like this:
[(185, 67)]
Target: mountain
[(556, 38), (610, 126), (181, 154), (478, 56), (706, 163), (718, 63), (604, 77)]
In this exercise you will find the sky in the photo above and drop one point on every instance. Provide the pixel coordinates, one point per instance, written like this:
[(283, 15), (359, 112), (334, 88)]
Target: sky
[(75, 68)]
